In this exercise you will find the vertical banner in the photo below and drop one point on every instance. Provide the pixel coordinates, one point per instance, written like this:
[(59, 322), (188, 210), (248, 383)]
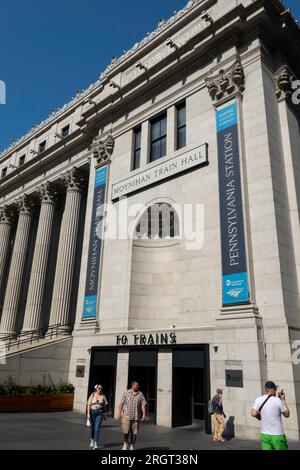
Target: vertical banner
[(234, 265), (95, 245)]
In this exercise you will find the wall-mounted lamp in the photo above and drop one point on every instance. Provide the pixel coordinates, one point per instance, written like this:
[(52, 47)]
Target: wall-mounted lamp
[(33, 152)]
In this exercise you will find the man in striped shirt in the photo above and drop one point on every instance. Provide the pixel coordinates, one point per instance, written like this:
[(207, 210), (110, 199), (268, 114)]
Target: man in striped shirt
[(132, 410)]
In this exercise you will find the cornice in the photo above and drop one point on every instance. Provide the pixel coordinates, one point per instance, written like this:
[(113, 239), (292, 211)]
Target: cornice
[(139, 47)]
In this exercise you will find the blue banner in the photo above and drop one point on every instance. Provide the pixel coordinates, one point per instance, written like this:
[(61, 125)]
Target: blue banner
[(95, 246), (234, 264)]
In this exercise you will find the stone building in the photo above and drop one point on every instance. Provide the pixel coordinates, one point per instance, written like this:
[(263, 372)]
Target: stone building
[(196, 122)]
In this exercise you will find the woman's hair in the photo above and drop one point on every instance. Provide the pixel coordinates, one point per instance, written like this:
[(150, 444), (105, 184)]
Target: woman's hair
[(96, 386)]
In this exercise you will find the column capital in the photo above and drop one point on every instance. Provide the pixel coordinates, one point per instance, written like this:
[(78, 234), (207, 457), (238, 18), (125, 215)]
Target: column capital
[(74, 180), (8, 215), (48, 193), (102, 150), (227, 83), (284, 79), (27, 204)]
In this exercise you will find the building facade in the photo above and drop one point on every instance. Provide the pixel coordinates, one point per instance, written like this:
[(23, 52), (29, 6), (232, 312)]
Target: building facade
[(189, 278)]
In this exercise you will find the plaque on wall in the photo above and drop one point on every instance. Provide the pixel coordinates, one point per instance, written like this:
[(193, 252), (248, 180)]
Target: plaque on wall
[(234, 378), (80, 372)]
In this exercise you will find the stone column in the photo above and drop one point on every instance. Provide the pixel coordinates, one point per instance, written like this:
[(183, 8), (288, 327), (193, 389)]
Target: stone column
[(9, 319), (33, 313), (122, 377), (63, 281), (164, 388), (7, 219)]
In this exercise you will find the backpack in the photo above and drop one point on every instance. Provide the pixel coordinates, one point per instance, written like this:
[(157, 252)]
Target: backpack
[(211, 410)]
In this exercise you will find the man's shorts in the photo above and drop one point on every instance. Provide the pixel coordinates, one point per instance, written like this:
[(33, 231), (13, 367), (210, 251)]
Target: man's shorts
[(129, 426), (273, 442)]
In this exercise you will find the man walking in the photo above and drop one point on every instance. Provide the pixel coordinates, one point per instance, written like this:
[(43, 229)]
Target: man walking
[(269, 410), (217, 404), (132, 410)]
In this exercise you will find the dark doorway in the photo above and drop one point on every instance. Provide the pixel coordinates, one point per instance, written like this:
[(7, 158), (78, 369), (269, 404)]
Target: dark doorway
[(103, 372), (143, 369), (189, 388)]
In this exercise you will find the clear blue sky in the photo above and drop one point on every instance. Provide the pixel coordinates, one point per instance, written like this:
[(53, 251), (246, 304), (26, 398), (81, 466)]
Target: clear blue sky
[(51, 48)]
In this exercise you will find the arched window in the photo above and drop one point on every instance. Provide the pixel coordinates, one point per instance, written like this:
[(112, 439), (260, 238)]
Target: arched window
[(159, 221)]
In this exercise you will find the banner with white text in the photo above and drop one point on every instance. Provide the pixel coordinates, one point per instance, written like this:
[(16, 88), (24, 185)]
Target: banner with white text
[(234, 264), (95, 246)]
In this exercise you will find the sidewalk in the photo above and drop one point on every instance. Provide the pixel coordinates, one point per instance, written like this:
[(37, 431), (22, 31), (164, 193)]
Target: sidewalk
[(67, 431)]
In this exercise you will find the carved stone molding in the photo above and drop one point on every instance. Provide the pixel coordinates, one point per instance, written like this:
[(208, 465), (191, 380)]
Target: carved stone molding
[(74, 180), (8, 215), (227, 83), (27, 204), (48, 193), (103, 150), (284, 79)]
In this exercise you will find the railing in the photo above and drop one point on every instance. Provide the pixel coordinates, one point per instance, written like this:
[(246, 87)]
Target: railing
[(28, 337)]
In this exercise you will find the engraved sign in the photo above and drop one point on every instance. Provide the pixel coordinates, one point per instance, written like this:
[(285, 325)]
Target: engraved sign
[(168, 168)]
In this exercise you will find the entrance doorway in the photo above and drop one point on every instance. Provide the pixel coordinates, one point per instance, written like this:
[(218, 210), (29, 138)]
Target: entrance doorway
[(143, 369), (103, 372), (190, 388)]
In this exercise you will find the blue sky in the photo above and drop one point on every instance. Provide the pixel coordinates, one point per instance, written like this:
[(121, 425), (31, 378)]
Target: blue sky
[(51, 49)]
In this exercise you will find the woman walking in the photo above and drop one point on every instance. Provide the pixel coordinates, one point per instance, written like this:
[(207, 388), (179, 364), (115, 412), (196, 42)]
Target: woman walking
[(96, 408)]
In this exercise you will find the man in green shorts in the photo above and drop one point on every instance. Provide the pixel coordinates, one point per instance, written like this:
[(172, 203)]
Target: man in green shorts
[(270, 409)]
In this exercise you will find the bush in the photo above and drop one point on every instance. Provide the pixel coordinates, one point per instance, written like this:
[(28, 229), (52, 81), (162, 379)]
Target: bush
[(66, 388), (40, 390), (11, 388)]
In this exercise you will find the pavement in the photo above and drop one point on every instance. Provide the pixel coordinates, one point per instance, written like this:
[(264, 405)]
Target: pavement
[(67, 431)]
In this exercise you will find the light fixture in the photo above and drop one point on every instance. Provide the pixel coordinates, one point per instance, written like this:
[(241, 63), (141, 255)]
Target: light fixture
[(33, 152)]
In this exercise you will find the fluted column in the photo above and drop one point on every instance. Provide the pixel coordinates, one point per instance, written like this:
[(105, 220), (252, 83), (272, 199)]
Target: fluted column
[(62, 290), (7, 219), (9, 319), (33, 313)]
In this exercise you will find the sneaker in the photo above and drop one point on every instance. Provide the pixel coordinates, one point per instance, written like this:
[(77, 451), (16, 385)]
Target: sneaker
[(221, 440), (91, 444), (95, 447), (125, 446), (131, 447)]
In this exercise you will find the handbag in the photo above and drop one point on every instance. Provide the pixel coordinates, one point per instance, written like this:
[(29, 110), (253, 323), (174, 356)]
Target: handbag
[(258, 416)]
